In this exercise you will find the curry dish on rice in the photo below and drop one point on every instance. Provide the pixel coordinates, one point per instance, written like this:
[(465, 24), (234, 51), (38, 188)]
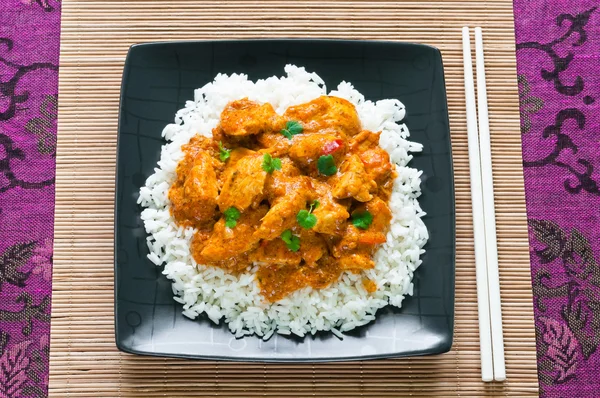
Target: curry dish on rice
[(302, 195)]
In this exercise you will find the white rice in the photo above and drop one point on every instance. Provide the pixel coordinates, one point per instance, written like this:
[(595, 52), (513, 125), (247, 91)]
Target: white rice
[(236, 299)]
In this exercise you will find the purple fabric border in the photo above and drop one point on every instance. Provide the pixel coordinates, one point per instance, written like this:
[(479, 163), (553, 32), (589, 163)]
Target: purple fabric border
[(558, 60), (29, 51)]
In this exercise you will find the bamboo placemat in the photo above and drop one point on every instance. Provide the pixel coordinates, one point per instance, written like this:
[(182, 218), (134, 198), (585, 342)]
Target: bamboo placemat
[(95, 37)]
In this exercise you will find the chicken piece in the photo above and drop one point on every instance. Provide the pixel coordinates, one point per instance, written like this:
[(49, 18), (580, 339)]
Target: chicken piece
[(331, 216), (348, 242), (288, 179), (377, 165), (363, 141), (197, 144), (307, 148), (238, 153), (312, 246), (201, 186), (356, 261), (351, 253), (228, 247), (273, 143), (374, 234), (282, 215), (199, 241), (234, 156), (355, 238), (233, 141), (194, 195), (244, 117), (353, 181), (275, 252), (288, 192), (382, 216), (200, 143), (384, 190), (355, 248), (243, 183), (375, 159), (326, 113)]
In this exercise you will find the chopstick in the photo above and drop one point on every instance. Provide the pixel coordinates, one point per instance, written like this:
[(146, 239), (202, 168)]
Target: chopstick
[(489, 213), (485, 335)]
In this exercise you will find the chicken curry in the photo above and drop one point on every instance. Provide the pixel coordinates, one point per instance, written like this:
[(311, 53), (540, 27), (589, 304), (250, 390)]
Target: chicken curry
[(302, 195)]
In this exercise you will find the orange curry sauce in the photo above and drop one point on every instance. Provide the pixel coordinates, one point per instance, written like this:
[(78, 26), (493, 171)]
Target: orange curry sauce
[(228, 171)]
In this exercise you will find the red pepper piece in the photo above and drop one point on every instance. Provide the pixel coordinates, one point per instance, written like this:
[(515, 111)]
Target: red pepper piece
[(332, 146)]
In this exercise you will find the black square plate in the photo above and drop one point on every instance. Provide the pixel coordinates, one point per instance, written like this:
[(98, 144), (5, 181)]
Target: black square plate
[(159, 78)]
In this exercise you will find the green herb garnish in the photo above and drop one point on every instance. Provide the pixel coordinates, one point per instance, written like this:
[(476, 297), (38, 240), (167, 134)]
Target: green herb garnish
[(291, 241), (231, 216), (362, 219), (224, 154), (291, 129), (306, 219), (270, 164), (326, 165), (315, 203)]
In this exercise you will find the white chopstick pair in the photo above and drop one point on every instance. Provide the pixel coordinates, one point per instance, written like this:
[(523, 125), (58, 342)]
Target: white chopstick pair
[(491, 343)]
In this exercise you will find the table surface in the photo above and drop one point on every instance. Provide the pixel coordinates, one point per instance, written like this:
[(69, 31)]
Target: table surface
[(95, 38)]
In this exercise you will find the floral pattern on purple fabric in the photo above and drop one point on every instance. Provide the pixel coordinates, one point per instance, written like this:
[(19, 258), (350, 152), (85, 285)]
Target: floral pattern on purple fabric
[(23, 367), (29, 48), (560, 347), (14, 363), (46, 5), (42, 259), (558, 59)]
